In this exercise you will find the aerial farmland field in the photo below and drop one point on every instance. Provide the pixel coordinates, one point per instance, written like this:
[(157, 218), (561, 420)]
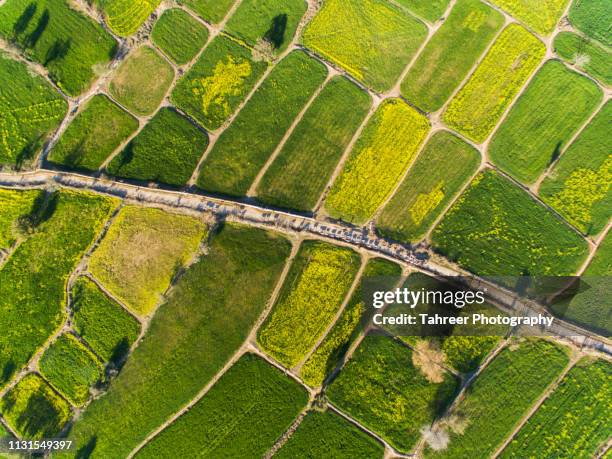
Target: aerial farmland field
[(252, 229)]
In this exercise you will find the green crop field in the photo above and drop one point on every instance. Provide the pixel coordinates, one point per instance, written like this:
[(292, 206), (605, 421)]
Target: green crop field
[(298, 176), (124, 17), (179, 35), (574, 420), (578, 187), (480, 103), (541, 16), (442, 168), (519, 236), (593, 18), (382, 389), (333, 348), (550, 111), (326, 434), (273, 21), (167, 150), (33, 409), (241, 416), (212, 307), (14, 206), (586, 55), (210, 10), (243, 149), (33, 279), (378, 161), (496, 401), (133, 85), (450, 54), (30, 109), (106, 327), (73, 48), (71, 368), (93, 135), (218, 82), (141, 253), (361, 35), (316, 285), (430, 10)]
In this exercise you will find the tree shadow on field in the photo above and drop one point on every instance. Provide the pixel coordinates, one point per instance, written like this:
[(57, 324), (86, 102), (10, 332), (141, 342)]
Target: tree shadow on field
[(58, 50), (556, 153), (126, 156), (43, 22), (75, 155), (276, 32), (40, 418), (119, 354), (24, 20), (85, 451), (8, 370)]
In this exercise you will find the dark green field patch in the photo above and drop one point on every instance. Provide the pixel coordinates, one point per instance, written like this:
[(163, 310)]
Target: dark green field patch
[(93, 135), (244, 147), (71, 368), (241, 416), (71, 46), (179, 35), (218, 82), (549, 112), (496, 228), (297, 177), (106, 327), (30, 109), (327, 434), (167, 150), (585, 54), (593, 18), (210, 10)]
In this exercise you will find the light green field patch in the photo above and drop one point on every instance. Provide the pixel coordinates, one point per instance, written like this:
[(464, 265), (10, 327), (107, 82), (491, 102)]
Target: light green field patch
[(210, 10), (443, 166), (316, 285), (586, 54), (141, 253), (452, 51), (578, 187), (549, 112), (430, 10), (14, 205), (372, 39), (480, 103), (179, 35), (380, 157), (593, 18), (124, 17), (540, 15)]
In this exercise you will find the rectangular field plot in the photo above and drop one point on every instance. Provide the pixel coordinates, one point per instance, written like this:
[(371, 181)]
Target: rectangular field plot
[(541, 16), (334, 346), (593, 18), (167, 150), (443, 166), (316, 285), (372, 40), (59, 229), (208, 315), (30, 109), (179, 35), (124, 17), (93, 135), (71, 46), (271, 21), (430, 10), (382, 389), (480, 103), (327, 434), (297, 177), (574, 421), (218, 82), (499, 397), (133, 84), (141, 253), (106, 326), (378, 161), (578, 187), (33, 410), (241, 416), (211, 10), (14, 207), (452, 51), (71, 368), (550, 111), (243, 148), (519, 236), (586, 55)]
